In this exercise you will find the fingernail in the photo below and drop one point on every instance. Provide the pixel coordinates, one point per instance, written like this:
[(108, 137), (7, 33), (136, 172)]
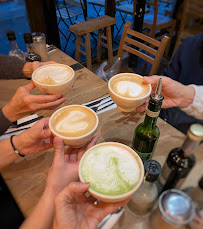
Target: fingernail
[(86, 183)]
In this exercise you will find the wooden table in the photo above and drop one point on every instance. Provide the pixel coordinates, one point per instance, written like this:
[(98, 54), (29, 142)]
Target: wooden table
[(26, 177)]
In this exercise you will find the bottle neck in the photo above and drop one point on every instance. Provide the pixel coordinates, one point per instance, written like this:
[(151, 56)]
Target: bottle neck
[(152, 112), (29, 48), (150, 121), (189, 146), (13, 45)]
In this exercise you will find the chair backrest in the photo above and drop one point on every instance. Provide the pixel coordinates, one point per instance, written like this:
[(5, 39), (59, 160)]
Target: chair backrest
[(192, 8), (137, 44), (64, 8)]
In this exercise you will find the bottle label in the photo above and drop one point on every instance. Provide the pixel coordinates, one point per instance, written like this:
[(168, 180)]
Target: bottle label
[(143, 156), (152, 114)]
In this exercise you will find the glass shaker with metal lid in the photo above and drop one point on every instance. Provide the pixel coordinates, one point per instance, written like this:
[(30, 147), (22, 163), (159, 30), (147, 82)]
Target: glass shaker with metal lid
[(142, 201), (39, 41), (175, 210)]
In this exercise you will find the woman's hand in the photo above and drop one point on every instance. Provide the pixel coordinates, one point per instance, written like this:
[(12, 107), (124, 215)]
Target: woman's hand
[(73, 210), (36, 139), (64, 168), (30, 67), (23, 103), (175, 94)]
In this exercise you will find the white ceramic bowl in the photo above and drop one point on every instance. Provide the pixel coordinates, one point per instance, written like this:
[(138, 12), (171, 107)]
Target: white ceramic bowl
[(74, 142), (127, 104), (115, 198), (61, 88)]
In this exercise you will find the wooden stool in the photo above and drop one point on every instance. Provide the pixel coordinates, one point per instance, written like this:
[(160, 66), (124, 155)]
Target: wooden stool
[(85, 28)]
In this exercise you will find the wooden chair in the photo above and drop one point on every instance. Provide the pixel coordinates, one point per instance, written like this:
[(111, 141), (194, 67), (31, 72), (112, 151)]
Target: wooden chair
[(192, 11), (154, 22), (125, 39), (67, 13), (124, 11), (87, 27)]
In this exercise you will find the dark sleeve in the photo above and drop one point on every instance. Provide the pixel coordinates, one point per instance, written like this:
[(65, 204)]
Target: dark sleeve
[(4, 123), (11, 67), (174, 68)]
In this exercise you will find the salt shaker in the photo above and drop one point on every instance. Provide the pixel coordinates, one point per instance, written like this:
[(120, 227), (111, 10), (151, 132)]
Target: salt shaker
[(39, 41), (175, 210)]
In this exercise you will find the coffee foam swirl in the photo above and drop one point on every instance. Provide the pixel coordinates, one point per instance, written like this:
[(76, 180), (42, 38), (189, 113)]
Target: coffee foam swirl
[(53, 75), (111, 170), (74, 122)]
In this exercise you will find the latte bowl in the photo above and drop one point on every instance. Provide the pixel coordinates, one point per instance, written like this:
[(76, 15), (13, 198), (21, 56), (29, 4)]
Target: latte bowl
[(113, 198), (123, 103), (51, 89), (79, 141)]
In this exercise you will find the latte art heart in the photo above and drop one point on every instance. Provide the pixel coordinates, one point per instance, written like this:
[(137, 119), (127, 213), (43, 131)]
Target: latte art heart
[(74, 121), (129, 85), (129, 88)]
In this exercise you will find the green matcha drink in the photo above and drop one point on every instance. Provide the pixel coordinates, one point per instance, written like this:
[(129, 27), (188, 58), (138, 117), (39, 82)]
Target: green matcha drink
[(111, 169)]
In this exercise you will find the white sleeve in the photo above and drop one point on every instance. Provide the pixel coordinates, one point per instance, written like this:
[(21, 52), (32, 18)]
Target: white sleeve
[(196, 108)]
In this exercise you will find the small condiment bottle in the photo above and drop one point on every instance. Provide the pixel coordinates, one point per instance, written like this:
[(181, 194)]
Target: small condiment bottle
[(175, 210), (142, 201), (39, 41), (32, 55), (15, 51)]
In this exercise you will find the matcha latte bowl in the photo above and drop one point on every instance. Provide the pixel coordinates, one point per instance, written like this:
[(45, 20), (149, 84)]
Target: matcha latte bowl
[(114, 170)]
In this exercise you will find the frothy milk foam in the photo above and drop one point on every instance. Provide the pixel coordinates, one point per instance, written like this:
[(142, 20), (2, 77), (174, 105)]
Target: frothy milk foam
[(129, 86), (111, 170), (74, 121), (53, 75)]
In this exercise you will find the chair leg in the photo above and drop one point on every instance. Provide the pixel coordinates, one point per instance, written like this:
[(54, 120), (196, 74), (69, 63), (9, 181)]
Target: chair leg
[(99, 48), (77, 48), (109, 43), (88, 51), (170, 38)]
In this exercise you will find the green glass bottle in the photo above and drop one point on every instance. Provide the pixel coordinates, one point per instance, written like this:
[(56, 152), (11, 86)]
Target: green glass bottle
[(147, 133)]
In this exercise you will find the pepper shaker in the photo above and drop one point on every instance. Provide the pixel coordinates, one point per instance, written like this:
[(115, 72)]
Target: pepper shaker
[(39, 41)]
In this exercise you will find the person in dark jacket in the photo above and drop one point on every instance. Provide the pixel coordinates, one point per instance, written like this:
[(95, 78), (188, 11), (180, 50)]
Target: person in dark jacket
[(186, 67)]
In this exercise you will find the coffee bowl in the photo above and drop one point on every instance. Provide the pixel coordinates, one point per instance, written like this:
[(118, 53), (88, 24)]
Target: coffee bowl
[(114, 170), (133, 92), (53, 78), (74, 124)]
